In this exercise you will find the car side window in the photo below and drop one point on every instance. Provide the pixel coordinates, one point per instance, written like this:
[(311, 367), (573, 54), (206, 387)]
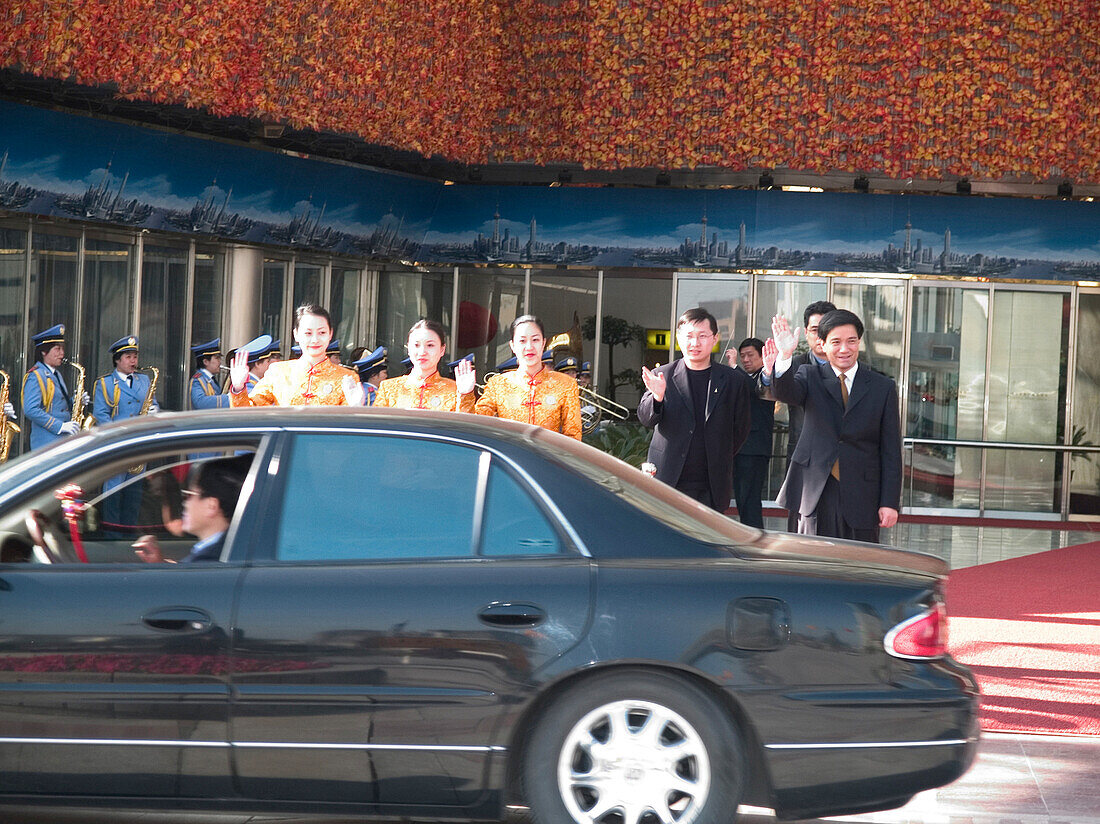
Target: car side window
[(371, 497), (514, 524)]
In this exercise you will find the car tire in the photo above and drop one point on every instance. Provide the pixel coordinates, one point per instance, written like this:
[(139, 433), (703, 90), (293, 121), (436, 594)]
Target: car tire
[(616, 747)]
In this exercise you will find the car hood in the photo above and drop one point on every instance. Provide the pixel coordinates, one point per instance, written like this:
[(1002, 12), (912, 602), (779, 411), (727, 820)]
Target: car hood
[(780, 546)]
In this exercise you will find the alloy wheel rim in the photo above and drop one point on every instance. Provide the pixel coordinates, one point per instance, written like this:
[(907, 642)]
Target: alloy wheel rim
[(633, 762)]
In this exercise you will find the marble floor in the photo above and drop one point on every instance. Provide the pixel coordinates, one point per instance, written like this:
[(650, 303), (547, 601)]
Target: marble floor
[(963, 546)]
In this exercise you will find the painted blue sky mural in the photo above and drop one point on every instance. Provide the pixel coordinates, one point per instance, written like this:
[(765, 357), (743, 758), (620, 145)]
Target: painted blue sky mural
[(92, 169)]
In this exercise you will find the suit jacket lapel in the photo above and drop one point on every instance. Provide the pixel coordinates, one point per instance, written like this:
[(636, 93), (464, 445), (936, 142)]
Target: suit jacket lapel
[(832, 385), (680, 379), (860, 386), (719, 380)]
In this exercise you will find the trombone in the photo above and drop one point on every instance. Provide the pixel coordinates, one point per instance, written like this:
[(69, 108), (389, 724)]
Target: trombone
[(594, 407)]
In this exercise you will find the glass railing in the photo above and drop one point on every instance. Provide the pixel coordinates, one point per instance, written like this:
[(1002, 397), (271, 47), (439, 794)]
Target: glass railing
[(1000, 479)]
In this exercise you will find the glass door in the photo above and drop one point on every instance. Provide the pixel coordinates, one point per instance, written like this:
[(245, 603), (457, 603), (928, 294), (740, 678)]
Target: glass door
[(1084, 467), (947, 371), (727, 297)]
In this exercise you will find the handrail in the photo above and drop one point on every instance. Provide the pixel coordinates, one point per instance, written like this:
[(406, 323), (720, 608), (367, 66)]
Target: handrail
[(1035, 447), (909, 442)]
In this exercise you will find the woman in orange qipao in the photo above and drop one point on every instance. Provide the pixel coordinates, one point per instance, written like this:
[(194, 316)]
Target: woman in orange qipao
[(423, 387), (310, 380), (532, 393)]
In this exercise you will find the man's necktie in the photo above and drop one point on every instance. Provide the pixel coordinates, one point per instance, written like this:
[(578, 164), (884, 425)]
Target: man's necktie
[(844, 396)]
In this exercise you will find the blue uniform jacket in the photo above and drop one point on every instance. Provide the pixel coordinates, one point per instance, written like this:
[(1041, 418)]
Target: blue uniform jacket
[(113, 399), (205, 392), (44, 405)]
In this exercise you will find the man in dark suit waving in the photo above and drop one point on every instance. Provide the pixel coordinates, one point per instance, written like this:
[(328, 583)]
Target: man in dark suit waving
[(845, 475), (699, 412)]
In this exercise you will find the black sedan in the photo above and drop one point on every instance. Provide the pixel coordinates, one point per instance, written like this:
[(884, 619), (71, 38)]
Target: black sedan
[(440, 615)]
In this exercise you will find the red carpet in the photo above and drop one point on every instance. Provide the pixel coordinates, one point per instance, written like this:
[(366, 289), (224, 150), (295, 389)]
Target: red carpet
[(1029, 628)]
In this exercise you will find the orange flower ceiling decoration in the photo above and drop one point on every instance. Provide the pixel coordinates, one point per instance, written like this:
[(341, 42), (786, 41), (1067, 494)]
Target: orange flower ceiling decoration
[(983, 88)]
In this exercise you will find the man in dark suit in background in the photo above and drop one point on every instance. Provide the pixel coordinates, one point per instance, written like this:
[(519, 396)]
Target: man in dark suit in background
[(811, 317), (699, 412), (750, 466), (845, 475)]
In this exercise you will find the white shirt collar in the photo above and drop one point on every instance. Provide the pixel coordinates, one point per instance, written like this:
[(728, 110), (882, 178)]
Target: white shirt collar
[(850, 375), (206, 372), (123, 378)]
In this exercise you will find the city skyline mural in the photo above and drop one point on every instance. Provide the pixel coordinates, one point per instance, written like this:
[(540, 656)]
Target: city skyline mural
[(83, 168)]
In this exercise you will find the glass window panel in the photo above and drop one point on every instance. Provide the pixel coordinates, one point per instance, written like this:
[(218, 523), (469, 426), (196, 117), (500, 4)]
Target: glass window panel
[(163, 337), (514, 523), (1084, 467), (106, 302), (947, 392), (14, 338), (271, 300), (947, 363), (1026, 399), (344, 524), (727, 298), (881, 307), (783, 297), (942, 477), (206, 319), (403, 299), (344, 308), (53, 285), (632, 300), (566, 304), (489, 301), (307, 284)]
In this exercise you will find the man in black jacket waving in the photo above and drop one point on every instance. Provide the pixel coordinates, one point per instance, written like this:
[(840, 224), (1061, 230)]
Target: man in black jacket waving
[(699, 412)]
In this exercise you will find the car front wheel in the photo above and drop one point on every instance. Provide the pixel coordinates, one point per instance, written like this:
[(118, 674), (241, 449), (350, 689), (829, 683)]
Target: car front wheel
[(634, 747)]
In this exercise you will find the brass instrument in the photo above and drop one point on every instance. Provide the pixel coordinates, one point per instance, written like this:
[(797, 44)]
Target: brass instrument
[(78, 416), (8, 430), (146, 405), (595, 406)]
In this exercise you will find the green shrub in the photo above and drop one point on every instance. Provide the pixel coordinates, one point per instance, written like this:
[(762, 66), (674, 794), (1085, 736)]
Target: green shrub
[(626, 441)]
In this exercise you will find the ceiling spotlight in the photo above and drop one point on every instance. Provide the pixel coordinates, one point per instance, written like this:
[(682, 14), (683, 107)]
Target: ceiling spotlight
[(766, 181), (1065, 188), (664, 179), (963, 186), (861, 184)]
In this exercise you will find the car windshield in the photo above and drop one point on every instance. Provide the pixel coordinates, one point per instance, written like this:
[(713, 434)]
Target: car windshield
[(656, 499)]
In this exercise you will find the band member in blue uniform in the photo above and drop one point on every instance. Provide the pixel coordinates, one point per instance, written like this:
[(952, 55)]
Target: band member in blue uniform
[(205, 387), (47, 402), (117, 396), (372, 370), (259, 359)]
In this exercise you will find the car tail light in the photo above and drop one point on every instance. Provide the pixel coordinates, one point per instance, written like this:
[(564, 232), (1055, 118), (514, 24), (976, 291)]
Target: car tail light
[(921, 637)]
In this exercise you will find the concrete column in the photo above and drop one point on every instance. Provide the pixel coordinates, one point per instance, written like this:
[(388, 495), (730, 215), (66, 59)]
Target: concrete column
[(244, 279)]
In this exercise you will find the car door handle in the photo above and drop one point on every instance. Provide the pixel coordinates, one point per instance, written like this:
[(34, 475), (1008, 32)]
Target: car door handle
[(178, 619), (506, 614)]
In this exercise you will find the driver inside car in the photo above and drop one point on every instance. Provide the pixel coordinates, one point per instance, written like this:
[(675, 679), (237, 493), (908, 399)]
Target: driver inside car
[(209, 499)]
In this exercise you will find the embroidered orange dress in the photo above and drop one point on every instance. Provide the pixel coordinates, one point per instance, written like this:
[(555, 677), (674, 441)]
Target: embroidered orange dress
[(292, 383), (436, 393), (549, 399)]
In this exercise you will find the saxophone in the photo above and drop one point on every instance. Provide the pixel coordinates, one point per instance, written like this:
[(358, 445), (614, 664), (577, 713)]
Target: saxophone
[(146, 405), (8, 430), (78, 417)]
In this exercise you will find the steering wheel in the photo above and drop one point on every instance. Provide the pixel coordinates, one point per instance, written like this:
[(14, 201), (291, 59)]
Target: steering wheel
[(48, 545)]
